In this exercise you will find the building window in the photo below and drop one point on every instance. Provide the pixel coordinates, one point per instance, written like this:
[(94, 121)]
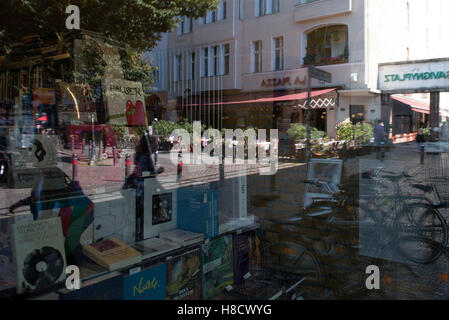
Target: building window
[(241, 15), (327, 45), (205, 62), (215, 60), (357, 113), (256, 48), (264, 7), (278, 54), (215, 15), (226, 55), (177, 67), (185, 26), (192, 66), (156, 75)]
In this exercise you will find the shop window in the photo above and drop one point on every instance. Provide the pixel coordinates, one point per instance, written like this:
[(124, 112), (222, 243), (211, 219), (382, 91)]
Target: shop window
[(327, 45), (357, 113)]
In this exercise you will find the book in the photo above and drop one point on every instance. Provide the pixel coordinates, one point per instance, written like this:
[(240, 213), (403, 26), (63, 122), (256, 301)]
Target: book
[(105, 287), (114, 216), (148, 284), (184, 276), (159, 209), (39, 254), (198, 210), (154, 246), (182, 237), (217, 273), (112, 254), (246, 256)]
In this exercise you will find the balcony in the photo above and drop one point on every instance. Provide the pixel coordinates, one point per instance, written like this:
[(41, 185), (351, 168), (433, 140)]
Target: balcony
[(316, 9)]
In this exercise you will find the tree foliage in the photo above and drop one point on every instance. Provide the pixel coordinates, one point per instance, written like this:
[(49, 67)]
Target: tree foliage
[(138, 23)]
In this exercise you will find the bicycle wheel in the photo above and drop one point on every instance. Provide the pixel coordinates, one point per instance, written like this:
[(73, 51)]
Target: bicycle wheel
[(416, 226), (296, 262)]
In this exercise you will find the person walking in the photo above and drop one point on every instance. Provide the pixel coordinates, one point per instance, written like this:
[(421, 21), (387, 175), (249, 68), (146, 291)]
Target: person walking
[(379, 135), (420, 139)]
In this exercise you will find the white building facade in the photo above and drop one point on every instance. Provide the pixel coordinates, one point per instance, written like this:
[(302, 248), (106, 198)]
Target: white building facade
[(252, 49)]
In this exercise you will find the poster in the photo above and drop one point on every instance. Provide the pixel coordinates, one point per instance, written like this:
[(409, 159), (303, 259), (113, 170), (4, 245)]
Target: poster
[(125, 102)]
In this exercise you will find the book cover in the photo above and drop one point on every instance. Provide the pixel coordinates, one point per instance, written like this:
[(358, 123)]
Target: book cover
[(39, 254), (198, 210), (112, 254), (246, 256), (159, 208), (184, 276), (107, 287), (217, 266), (182, 237), (154, 246), (148, 284), (114, 216), (7, 268)]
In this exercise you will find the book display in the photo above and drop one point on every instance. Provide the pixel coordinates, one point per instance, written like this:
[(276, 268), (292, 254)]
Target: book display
[(218, 275), (198, 210), (154, 246), (106, 287), (114, 216), (182, 237), (39, 254), (112, 254), (159, 210), (184, 276), (148, 284)]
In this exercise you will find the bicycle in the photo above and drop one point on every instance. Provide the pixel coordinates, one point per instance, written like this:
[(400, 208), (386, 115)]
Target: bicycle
[(406, 214)]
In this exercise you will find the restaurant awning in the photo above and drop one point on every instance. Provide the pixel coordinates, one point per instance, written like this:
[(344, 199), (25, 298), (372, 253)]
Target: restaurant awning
[(287, 97), (417, 106)]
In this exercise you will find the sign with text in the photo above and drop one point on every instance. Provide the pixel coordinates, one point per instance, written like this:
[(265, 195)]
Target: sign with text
[(125, 101), (422, 75), (319, 74)]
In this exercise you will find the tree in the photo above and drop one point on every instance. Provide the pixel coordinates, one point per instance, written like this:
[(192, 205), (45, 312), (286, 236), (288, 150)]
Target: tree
[(137, 23)]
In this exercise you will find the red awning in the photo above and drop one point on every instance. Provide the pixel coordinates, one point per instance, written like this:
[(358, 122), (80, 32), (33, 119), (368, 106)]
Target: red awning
[(287, 97), (417, 106)]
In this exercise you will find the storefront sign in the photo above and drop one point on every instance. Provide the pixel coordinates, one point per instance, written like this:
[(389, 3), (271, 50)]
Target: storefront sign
[(430, 75), (284, 81)]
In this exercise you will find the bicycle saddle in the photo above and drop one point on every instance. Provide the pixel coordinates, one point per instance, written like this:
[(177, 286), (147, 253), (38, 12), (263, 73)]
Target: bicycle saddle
[(422, 187), (396, 177)]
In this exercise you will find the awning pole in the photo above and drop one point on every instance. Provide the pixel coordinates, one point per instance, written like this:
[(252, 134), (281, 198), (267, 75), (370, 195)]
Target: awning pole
[(308, 116)]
